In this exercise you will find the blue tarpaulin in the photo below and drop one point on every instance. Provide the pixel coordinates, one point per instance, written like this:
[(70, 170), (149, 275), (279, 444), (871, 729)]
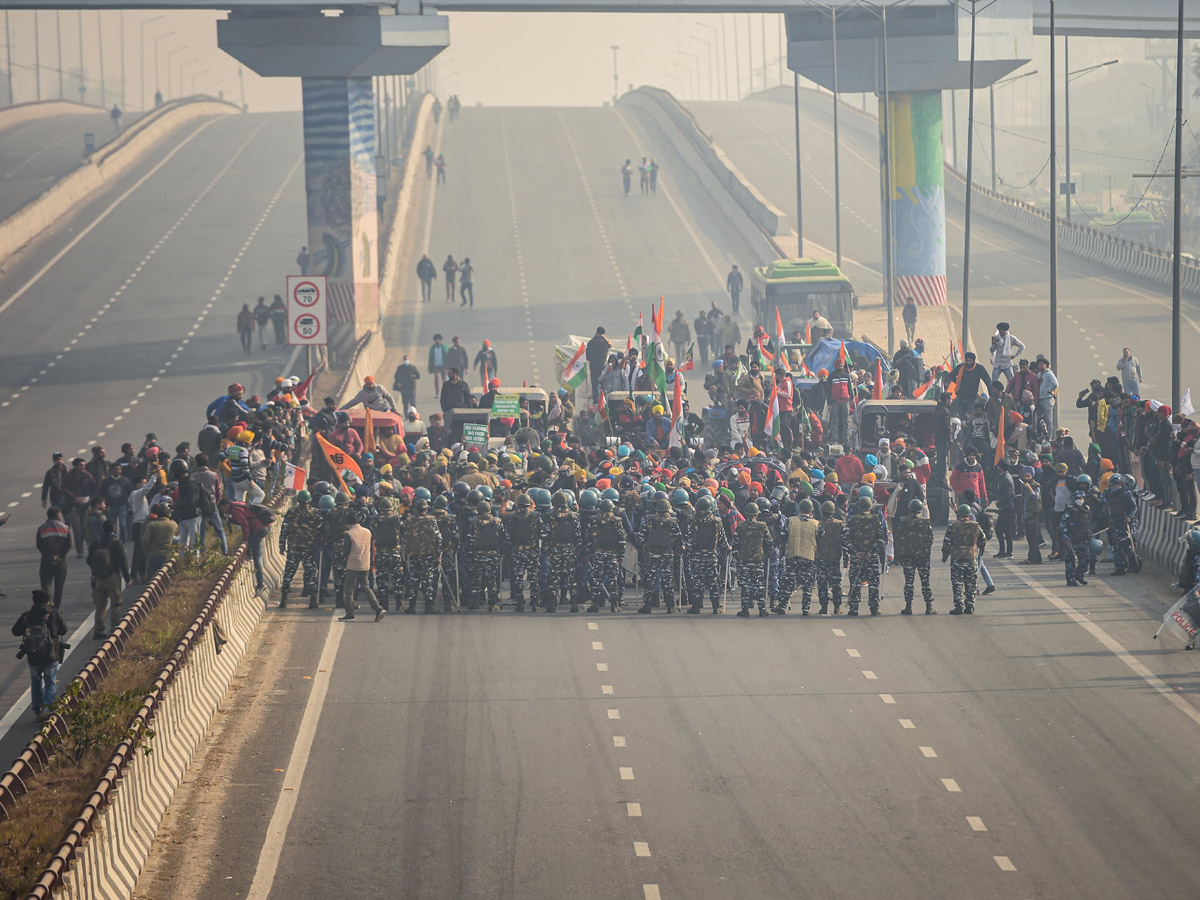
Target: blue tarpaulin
[(860, 355)]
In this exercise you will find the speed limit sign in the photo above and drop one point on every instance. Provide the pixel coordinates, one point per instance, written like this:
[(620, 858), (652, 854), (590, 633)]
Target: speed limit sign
[(306, 309)]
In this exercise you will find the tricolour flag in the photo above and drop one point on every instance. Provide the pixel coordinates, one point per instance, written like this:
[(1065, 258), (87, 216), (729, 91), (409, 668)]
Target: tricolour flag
[(772, 425), (765, 357), (602, 407), (575, 372), (924, 389), (294, 478), (783, 357), (677, 413), (688, 362)]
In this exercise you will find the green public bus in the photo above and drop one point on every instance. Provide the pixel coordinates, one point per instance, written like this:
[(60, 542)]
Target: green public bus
[(797, 287)]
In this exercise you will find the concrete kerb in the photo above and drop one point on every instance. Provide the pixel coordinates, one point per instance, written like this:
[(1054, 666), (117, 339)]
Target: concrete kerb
[(108, 163), (405, 209), (43, 109), (1160, 537)]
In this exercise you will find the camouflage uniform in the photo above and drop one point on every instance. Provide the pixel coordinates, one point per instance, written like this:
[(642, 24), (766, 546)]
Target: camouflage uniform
[(863, 537), (560, 537), (298, 539), (685, 515), (524, 532), (706, 547), (662, 541), (1122, 528), (753, 543), (1075, 527), (801, 567), (388, 529), (336, 523), (422, 546), (913, 542), (964, 539), (829, 563), (450, 576), (487, 543), (605, 543)]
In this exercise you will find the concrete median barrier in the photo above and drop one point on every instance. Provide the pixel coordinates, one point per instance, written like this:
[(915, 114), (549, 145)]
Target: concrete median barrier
[(44, 109), (111, 161)]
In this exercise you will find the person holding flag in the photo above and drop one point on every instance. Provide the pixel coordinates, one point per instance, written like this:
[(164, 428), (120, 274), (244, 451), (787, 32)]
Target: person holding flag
[(783, 403), (839, 399), (575, 371)]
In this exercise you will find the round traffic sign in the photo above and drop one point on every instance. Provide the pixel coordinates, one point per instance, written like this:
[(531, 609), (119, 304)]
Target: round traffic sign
[(306, 293), (307, 326)]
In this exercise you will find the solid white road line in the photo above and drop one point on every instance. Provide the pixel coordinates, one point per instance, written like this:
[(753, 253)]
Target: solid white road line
[(268, 859)]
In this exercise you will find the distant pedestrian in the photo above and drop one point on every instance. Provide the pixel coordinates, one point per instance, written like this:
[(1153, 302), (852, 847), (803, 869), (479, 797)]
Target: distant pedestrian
[(440, 165), (627, 176), (41, 630), (405, 381), (1131, 373), (262, 315), (733, 284), (106, 558), (910, 319), (652, 170), (449, 269), (486, 363), (428, 154), (245, 327), (302, 260), (437, 363), (466, 281), (644, 177), (279, 320), (427, 275), (115, 115), (437, 110)]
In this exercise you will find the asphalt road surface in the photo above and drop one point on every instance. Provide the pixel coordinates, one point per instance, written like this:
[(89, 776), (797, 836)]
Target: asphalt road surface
[(1042, 748), (35, 154), (121, 321), (1100, 312)]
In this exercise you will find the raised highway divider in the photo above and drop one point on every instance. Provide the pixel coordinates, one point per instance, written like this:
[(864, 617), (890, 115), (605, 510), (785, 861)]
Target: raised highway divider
[(43, 109), (1160, 537), (109, 162)]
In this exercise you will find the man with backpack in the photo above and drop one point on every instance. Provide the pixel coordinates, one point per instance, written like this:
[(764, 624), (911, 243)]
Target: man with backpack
[(254, 520), (41, 630), (109, 564)]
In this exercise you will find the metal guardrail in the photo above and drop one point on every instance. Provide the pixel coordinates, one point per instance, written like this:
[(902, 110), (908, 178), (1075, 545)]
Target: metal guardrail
[(14, 783)]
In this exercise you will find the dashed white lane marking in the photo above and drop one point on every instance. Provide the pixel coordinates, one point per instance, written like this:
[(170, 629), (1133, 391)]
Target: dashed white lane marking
[(869, 675), (837, 632), (593, 626), (601, 667), (650, 892), (928, 752), (626, 773), (1005, 864), (852, 653), (887, 698), (614, 714), (633, 810), (619, 740), (976, 823), (641, 848), (606, 689), (907, 723), (951, 785), (597, 645)]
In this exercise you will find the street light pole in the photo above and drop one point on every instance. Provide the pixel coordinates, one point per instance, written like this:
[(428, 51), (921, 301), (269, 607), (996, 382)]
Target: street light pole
[(992, 101), (837, 152), (170, 73), (82, 85), (37, 58), (100, 44), (62, 94), (799, 168), (712, 78), (695, 58), (718, 47), (762, 22), (183, 68), (8, 56), (1053, 212), (616, 80), (724, 60), (737, 61), (966, 288), (1067, 110), (157, 80), (887, 191), (1177, 254), (142, 59), (749, 55)]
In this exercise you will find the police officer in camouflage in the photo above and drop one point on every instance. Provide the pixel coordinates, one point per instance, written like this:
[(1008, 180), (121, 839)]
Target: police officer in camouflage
[(863, 538), (685, 514), (604, 544), (422, 550), (560, 537), (336, 523), (524, 536), (1075, 527), (1122, 524), (830, 558), (912, 536), (752, 540), (487, 542), (662, 542), (450, 577), (705, 546), (388, 530), (962, 544), (298, 541), (801, 565)]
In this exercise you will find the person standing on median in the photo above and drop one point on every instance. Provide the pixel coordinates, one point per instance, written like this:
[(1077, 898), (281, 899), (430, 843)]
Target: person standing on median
[(302, 260), (733, 284), (41, 629), (158, 535), (109, 564)]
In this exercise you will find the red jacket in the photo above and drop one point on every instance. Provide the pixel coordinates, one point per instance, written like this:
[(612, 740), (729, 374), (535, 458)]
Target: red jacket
[(849, 469), (962, 478), (241, 515)]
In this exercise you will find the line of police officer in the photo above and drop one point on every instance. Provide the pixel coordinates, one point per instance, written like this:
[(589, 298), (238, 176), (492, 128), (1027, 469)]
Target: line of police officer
[(571, 552)]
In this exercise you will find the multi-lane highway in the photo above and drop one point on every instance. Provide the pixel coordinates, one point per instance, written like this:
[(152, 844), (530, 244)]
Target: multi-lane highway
[(1099, 312), (1038, 749), (121, 321), (36, 153)]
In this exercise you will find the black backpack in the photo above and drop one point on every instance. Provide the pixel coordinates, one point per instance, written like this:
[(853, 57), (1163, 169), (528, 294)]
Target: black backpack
[(264, 514), (100, 561), (37, 644), (563, 530), (610, 535), (487, 536), (659, 538), (704, 538)]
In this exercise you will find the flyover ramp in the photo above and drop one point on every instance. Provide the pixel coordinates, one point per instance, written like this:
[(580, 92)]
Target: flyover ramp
[(122, 321), (1100, 311), (1012, 754)]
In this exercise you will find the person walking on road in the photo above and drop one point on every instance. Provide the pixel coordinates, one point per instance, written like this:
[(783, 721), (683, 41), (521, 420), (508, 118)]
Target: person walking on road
[(115, 114), (52, 482), (262, 315), (109, 564), (279, 320), (680, 334), (428, 154), (450, 270), (652, 171), (41, 630), (733, 284), (437, 110), (1131, 373), (245, 327), (456, 356), (53, 544), (356, 544), (427, 275), (303, 260), (485, 362), (466, 282), (405, 381), (644, 177), (437, 363), (910, 319), (440, 165), (627, 176)]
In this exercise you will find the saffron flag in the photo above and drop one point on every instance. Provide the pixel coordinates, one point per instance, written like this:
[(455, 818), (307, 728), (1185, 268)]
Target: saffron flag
[(783, 357), (1000, 439), (339, 460), (841, 361), (294, 478), (575, 372), (369, 431), (877, 390), (628, 343), (808, 332)]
